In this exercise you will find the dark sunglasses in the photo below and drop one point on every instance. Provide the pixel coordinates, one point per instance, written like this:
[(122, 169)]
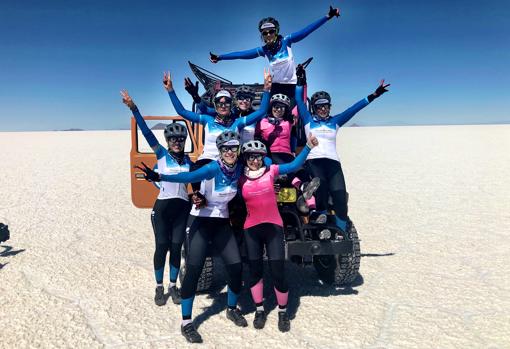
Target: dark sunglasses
[(177, 139), (252, 157), (232, 148), (244, 98), (223, 104), (323, 106), (278, 107), (268, 32)]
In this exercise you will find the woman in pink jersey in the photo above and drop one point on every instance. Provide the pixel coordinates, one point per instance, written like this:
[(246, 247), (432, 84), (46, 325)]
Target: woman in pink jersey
[(264, 227)]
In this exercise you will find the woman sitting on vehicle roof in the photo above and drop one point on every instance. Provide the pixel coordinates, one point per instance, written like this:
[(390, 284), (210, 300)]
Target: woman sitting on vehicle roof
[(277, 49), (264, 226), (323, 161), (221, 121), (211, 226), (168, 220)]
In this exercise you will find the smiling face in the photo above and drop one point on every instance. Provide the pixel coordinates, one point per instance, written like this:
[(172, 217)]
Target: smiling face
[(229, 153), (323, 110), (176, 144), (269, 35), (244, 103), (223, 106), (254, 161), (278, 110)]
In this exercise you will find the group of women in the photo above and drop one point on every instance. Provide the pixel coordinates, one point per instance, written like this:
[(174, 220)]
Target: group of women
[(237, 142)]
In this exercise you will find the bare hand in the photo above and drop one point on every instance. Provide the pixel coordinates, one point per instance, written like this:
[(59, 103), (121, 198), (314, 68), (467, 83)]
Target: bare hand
[(167, 81), (127, 100), (312, 141), (268, 79)]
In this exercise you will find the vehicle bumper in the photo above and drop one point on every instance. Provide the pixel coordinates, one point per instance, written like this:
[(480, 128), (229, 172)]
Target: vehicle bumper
[(314, 248)]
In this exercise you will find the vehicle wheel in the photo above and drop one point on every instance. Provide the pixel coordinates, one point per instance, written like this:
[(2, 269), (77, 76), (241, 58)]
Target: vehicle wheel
[(343, 269), (206, 277)]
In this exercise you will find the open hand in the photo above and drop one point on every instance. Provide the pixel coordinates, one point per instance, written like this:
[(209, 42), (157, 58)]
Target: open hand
[(149, 174), (382, 88)]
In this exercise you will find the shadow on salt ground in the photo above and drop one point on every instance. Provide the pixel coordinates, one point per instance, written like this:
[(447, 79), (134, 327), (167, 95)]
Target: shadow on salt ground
[(302, 281), (7, 252), (377, 254)]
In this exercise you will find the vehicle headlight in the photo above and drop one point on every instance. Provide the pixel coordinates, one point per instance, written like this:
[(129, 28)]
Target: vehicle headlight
[(287, 195), (325, 234)]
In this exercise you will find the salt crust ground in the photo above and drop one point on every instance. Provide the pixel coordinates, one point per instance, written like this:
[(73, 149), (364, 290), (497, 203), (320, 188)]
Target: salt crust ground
[(432, 205)]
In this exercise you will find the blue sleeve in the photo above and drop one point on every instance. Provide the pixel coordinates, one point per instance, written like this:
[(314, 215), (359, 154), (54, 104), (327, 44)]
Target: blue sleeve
[(147, 133), (303, 33), (295, 164), (346, 115), (160, 152), (267, 161), (205, 109), (248, 54), (303, 112), (205, 172), (256, 115), (188, 115)]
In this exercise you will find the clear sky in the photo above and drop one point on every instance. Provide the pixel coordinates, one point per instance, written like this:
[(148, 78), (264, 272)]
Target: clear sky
[(62, 63)]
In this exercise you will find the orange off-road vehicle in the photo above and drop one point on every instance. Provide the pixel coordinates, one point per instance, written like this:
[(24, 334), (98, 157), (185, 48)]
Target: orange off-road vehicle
[(335, 254)]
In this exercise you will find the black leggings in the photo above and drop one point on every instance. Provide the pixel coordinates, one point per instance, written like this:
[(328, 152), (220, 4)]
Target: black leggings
[(205, 231), (169, 225), (284, 158), (195, 166), (332, 183), (270, 236)]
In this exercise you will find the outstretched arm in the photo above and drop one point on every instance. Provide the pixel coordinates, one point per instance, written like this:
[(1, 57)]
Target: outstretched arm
[(188, 115), (248, 54), (147, 133), (345, 116), (205, 172), (303, 33), (295, 164)]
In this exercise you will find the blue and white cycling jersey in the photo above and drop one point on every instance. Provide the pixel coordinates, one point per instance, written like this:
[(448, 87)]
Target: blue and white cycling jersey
[(212, 128), (325, 130), (217, 187), (281, 59), (166, 163)]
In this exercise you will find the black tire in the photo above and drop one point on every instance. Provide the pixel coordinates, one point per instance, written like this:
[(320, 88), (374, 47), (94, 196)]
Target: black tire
[(206, 277), (343, 269)]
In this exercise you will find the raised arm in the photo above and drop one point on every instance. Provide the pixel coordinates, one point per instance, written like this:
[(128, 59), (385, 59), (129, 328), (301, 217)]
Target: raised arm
[(147, 133), (345, 116), (205, 172), (188, 115), (303, 112), (303, 33), (192, 89), (248, 54), (295, 164), (264, 105)]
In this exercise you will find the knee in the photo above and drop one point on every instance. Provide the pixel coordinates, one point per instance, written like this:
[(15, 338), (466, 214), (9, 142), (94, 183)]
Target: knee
[(256, 271), (278, 275)]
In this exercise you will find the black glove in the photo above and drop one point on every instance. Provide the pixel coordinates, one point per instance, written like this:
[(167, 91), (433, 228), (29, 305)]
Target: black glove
[(333, 12), (192, 90), (149, 174), (214, 58), (4, 232), (301, 75), (379, 91), (198, 199)]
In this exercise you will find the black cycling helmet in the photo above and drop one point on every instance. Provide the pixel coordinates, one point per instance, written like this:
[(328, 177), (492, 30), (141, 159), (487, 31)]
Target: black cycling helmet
[(254, 147), (269, 23), (245, 91), (228, 138), (280, 98), (175, 130), (320, 97)]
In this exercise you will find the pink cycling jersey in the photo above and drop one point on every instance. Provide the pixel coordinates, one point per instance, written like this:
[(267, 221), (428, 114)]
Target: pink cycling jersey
[(260, 198), (276, 136)]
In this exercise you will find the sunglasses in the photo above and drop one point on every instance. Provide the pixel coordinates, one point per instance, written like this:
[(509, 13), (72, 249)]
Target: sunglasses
[(252, 157), (177, 139), (233, 148), (244, 99), (268, 32), (278, 107), (323, 106), (223, 104)]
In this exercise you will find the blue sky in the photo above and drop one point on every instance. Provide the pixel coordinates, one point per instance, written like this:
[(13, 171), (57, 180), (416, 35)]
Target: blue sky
[(62, 63)]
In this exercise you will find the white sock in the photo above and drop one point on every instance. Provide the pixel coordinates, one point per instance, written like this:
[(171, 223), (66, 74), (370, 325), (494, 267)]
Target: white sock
[(185, 322), (159, 285), (171, 284), (261, 308), (282, 310)]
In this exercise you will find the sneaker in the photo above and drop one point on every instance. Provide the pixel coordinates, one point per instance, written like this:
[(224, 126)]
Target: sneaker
[(310, 188), (175, 293), (191, 334), (236, 317), (160, 298), (260, 319), (283, 321), (318, 218)]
